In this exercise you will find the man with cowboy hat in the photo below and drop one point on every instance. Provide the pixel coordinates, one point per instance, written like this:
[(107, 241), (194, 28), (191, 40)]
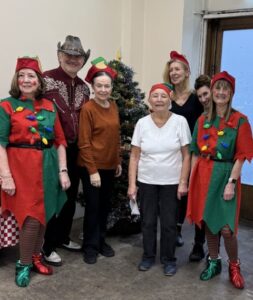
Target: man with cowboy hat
[(69, 93)]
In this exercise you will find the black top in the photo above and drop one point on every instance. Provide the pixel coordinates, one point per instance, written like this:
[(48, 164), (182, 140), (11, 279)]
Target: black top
[(191, 110)]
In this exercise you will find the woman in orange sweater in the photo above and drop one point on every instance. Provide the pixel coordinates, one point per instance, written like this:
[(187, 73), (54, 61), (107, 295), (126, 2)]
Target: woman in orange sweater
[(99, 147)]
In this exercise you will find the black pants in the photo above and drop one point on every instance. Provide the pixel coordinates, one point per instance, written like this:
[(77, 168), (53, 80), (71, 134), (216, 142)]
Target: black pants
[(199, 233), (59, 227), (96, 209), (158, 200)]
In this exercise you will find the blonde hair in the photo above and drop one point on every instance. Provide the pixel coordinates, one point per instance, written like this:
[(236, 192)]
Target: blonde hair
[(166, 73), (212, 113)]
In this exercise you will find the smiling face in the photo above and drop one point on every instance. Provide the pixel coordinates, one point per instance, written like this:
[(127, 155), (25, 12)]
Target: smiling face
[(178, 73), (204, 95), (102, 87), (28, 82), (71, 64), (222, 93), (159, 101)]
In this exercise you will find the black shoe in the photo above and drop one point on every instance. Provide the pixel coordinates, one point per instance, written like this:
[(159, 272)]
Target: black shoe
[(197, 253), (170, 269), (106, 250), (179, 242), (145, 265), (90, 258)]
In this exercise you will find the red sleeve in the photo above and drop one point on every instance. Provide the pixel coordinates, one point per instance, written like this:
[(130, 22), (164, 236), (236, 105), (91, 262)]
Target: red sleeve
[(244, 142), (59, 135)]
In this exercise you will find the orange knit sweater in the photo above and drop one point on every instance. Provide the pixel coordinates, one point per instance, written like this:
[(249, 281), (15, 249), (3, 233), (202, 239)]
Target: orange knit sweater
[(99, 137)]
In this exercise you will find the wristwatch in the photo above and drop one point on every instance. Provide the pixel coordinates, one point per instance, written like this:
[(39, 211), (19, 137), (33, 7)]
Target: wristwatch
[(232, 180)]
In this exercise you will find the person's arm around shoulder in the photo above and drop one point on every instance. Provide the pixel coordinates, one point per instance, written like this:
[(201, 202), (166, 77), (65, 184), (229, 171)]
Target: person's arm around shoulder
[(132, 172)]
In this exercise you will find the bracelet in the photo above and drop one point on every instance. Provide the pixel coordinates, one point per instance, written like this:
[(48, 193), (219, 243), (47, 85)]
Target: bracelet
[(63, 170)]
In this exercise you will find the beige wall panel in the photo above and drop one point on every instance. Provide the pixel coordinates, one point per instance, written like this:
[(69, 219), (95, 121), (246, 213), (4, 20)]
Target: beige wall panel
[(34, 28)]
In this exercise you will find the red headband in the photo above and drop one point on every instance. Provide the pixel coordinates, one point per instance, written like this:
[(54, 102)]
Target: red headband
[(160, 86), (99, 65), (224, 76), (174, 55), (28, 63)]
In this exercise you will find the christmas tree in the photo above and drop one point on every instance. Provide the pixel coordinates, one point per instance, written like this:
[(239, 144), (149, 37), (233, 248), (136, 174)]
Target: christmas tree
[(129, 99)]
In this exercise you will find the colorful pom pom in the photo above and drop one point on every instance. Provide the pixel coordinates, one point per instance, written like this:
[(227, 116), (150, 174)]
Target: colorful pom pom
[(207, 125), (32, 129), (31, 117), (220, 133), (19, 108), (204, 148), (224, 145), (40, 118), (44, 141), (219, 155), (48, 129), (206, 136)]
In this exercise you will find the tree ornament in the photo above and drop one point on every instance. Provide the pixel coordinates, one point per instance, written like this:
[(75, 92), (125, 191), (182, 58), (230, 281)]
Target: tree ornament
[(220, 133), (204, 148)]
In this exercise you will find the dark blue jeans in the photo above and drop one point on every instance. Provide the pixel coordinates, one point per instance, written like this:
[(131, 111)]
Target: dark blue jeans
[(158, 200)]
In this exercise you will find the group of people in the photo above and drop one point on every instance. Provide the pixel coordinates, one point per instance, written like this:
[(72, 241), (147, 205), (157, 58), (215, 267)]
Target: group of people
[(185, 161), (52, 135)]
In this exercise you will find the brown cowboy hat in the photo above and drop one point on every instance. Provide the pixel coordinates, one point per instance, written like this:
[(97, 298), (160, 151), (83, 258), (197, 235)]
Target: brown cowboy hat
[(73, 46)]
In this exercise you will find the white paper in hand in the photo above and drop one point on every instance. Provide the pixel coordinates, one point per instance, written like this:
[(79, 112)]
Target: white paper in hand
[(134, 207)]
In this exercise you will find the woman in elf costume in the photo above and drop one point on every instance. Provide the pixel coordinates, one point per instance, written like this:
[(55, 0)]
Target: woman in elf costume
[(32, 164), (222, 140)]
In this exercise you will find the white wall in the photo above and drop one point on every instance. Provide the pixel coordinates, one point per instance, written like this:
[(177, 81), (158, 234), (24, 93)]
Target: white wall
[(145, 30), (31, 27)]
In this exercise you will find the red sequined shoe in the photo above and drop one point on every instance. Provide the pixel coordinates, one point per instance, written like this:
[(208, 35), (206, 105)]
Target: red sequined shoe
[(39, 266), (235, 275)]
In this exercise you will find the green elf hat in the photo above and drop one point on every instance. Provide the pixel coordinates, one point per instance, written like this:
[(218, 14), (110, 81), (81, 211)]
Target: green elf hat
[(99, 65)]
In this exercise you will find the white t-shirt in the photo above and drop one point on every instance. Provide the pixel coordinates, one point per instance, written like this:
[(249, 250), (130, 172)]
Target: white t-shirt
[(161, 158)]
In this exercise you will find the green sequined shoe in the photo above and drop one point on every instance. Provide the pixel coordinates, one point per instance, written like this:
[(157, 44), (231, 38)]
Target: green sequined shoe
[(22, 274), (213, 268)]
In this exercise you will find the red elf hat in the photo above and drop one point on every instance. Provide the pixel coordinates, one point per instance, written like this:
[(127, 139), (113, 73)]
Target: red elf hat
[(174, 55), (164, 86), (99, 65), (224, 76), (29, 63)]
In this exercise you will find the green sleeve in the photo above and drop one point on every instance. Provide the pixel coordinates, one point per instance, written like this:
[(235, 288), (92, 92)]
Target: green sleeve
[(194, 146), (4, 128)]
